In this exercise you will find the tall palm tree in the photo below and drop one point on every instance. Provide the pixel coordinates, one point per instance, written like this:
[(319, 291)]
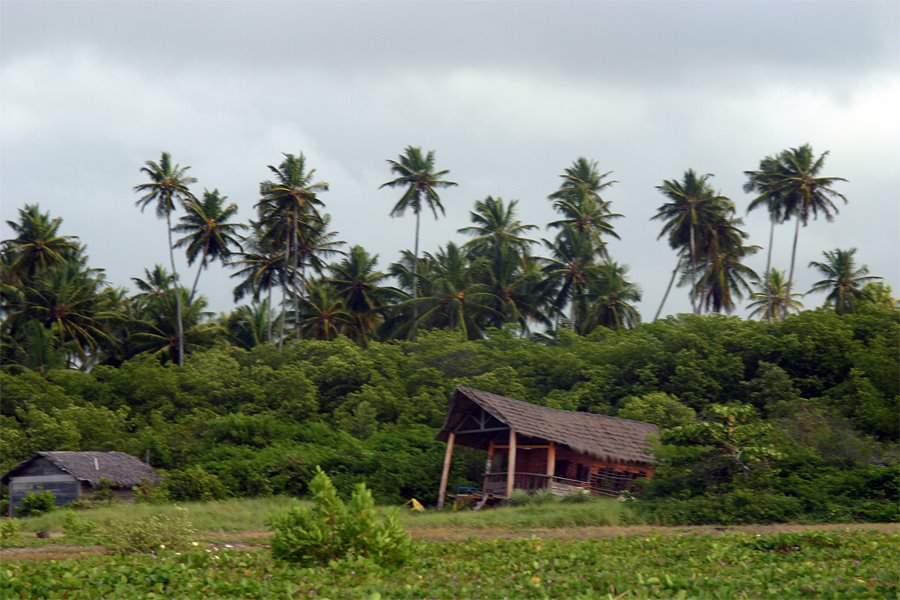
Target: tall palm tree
[(168, 182), (496, 230), (611, 299), (765, 181), (722, 275), (416, 172), (260, 268), (578, 200), (288, 204), (209, 234), (692, 206), (844, 281), (771, 301), (37, 245), (322, 314), (803, 192), (155, 334), (359, 285), (569, 266)]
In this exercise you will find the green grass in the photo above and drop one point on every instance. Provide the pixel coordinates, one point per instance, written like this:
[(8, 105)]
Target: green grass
[(787, 565), (252, 514)]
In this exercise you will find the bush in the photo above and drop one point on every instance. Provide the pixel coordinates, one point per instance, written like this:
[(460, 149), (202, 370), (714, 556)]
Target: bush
[(332, 530), (734, 507), (9, 531), (36, 503), (77, 530), (194, 483), (150, 534)]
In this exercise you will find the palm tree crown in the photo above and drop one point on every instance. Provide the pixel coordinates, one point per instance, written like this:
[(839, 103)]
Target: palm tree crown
[(844, 281)]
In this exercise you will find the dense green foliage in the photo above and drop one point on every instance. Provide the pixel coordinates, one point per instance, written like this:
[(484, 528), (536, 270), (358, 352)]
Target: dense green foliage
[(36, 503), (812, 564), (817, 394)]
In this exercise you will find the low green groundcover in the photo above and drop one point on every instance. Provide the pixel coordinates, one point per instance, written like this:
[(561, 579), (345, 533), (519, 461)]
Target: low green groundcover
[(787, 565)]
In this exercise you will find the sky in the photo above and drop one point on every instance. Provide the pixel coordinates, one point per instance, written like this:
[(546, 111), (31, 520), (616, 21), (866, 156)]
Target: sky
[(508, 94)]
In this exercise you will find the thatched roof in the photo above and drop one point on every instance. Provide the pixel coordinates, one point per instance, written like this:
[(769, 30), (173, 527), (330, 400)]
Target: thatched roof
[(123, 470), (606, 438)]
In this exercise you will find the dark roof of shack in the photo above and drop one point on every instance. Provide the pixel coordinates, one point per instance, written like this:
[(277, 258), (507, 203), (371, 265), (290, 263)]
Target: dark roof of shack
[(123, 470), (603, 437)]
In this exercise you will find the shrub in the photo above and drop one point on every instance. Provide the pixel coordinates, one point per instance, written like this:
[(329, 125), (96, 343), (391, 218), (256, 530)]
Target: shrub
[(9, 531), (518, 498), (576, 497), (78, 530), (331, 530), (194, 483), (150, 534), (36, 503)]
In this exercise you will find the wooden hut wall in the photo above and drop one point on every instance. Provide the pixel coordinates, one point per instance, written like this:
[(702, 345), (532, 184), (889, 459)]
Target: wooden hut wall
[(40, 475)]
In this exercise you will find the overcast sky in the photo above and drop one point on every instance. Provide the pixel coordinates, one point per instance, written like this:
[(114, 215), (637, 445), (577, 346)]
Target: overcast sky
[(508, 94)]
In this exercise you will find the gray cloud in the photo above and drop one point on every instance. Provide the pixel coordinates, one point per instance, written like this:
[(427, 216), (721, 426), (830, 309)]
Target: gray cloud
[(507, 93)]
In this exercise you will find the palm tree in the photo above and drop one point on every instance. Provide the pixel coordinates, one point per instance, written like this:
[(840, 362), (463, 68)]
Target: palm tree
[(416, 172), (520, 293), (803, 193), (692, 206), (358, 285), (261, 267), (154, 332), (496, 230), (248, 325), (37, 246), (168, 182), (765, 182), (771, 301), (568, 268), (156, 283), (722, 274), (611, 299), (578, 200), (289, 204), (844, 282), (322, 314), (209, 234)]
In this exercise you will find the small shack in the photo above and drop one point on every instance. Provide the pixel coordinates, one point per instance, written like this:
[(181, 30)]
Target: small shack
[(71, 475), (531, 447)]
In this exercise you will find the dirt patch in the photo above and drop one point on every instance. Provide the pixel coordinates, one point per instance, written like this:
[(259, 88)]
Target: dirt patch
[(257, 540)]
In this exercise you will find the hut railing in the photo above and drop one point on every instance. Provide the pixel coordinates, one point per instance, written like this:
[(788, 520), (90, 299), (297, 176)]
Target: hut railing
[(606, 482)]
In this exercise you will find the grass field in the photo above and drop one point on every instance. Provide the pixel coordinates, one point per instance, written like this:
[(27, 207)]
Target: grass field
[(576, 551)]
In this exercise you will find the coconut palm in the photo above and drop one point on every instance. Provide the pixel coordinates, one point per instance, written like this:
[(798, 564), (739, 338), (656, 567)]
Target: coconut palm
[(570, 264), (168, 182), (155, 334), (416, 172), (496, 230), (578, 200), (771, 302), (288, 205), (260, 268), (693, 206), (520, 293), (359, 285), (803, 192), (156, 283), (209, 234), (722, 275), (322, 315), (248, 326), (37, 245), (766, 182), (611, 299), (844, 281)]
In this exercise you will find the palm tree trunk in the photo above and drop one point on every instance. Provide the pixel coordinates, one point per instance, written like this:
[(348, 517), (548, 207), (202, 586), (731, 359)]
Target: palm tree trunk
[(296, 287), (769, 263), (572, 312), (200, 270), (694, 305), (269, 314), (790, 281), (668, 288), (284, 286), (177, 294), (415, 278)]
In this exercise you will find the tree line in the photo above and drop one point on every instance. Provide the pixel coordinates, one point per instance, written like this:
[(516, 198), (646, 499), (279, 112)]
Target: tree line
[(58, 310)]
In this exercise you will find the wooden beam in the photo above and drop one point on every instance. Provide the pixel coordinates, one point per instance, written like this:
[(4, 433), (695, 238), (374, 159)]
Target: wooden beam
[(445, 474), (551, 460), (511, 467)]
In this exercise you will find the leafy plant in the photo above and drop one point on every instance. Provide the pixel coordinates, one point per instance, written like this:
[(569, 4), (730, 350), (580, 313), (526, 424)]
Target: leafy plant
[(36, 503), (146, 535), (331, 530), (78, 530)]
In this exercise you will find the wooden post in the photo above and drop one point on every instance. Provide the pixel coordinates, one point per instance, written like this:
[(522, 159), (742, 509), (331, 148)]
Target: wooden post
[(551, 460), (511, 467), (445, 474)]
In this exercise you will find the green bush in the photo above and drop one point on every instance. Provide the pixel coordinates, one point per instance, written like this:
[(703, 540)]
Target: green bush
[(734, 507), (150, 534), (9, 531), (194, 483), (36, 503), (77, 530), (331, 530)]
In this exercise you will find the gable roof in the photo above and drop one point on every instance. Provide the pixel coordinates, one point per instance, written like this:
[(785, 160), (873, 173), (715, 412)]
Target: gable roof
[(122, 469), (603, 437)]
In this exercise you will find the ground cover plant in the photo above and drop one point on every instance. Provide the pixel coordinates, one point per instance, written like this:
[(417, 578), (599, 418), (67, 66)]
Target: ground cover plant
[(859, 564)]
